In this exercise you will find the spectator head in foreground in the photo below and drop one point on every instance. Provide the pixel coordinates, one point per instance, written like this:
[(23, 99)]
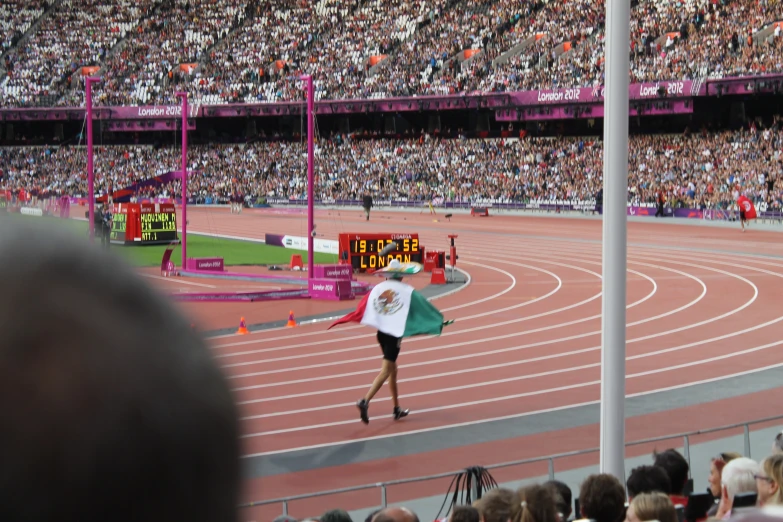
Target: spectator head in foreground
[(716, 469), (602, 498), (537, 504), (738, 476), (777, 444), (647, 507), (498, 505), (464, 514), (395, 514), (336, 515), (372, 514), (676, 468), (648, 479), (111, 407), (769, 481), (563, 499)]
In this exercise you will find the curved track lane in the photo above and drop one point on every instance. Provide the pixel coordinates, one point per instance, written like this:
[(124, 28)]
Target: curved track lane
[(526, 338)]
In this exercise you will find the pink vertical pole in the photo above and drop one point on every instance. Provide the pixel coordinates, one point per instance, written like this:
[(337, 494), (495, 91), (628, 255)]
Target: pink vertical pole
[(310, 174), (184, 178), (90, 167)]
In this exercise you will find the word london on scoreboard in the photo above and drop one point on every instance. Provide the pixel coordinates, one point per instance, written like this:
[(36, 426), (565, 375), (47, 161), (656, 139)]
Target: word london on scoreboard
[(361, 251), (144, 223)]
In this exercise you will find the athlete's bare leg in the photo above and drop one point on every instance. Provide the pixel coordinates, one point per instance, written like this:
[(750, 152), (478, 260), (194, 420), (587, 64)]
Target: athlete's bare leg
[(380, 379), (393, 384), (388, 372)]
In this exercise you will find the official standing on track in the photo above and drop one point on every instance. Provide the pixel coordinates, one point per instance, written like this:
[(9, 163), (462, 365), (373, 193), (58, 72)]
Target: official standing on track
[(367, 204), (106, 219)]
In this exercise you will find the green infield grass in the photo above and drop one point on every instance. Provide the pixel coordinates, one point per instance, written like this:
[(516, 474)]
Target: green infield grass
[(233, 251)]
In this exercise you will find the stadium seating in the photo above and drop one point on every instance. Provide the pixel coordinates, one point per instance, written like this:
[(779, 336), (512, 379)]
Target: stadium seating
[(226, 51), (699, 170)]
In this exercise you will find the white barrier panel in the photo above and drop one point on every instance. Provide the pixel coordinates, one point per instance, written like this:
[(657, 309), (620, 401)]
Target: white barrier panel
[(32, 211), (323, 246)]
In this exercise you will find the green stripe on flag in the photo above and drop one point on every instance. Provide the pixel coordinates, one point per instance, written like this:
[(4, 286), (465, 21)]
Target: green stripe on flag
[(423, 317)]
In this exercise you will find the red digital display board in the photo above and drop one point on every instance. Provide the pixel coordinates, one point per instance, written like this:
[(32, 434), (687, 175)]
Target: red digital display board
[(361, 250), (144, 223)]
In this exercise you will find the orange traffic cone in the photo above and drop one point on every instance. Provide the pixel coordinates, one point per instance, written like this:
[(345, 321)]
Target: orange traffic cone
[(291, 320), (242, 327)]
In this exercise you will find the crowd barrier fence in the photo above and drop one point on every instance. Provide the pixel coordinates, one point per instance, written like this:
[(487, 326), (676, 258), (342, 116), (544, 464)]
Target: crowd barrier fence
[(549, 459)]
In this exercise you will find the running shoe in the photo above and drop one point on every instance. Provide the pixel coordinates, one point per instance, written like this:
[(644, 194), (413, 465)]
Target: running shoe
[(363, 407), (399, 414)]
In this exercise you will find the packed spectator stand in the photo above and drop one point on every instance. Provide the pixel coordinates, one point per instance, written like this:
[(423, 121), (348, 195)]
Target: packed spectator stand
[(694, 170), (227, 51)]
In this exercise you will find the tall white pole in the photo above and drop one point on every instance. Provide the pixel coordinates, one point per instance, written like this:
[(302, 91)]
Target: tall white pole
[(617, 48)]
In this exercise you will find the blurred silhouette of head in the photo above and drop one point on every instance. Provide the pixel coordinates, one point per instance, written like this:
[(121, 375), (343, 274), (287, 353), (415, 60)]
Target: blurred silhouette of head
[(111, 407)]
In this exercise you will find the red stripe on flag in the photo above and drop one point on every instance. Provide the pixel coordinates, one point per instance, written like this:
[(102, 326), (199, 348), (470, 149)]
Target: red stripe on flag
[(355, 316)]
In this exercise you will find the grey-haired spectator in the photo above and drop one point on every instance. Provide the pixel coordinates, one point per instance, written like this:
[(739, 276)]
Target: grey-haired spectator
[(737, 477), (396, 514)]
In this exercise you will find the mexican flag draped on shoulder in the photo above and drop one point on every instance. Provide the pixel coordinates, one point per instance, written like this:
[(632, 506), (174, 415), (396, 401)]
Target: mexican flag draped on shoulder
[(396, 309)]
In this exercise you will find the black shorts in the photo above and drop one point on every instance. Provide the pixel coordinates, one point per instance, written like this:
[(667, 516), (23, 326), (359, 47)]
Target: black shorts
[(742, 215), (390, 346)]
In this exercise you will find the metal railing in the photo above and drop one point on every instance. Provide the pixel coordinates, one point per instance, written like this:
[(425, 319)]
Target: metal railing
[(550, 459)]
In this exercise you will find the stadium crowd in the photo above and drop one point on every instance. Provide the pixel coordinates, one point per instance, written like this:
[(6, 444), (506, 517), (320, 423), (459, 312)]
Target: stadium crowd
[(693, 170), (651, 493), (75, 34), (226, 51)]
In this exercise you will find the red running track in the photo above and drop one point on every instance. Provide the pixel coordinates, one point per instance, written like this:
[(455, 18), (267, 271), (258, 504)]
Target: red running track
[(526, 338)]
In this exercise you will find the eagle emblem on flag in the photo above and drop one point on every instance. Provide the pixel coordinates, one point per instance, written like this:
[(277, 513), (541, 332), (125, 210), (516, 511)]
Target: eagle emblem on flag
[(388, 302)]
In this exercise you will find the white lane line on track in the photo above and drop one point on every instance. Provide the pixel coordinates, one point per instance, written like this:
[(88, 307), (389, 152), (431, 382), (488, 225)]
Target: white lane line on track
[(739, 332), (482, 368), (455, 331), (519, 415), (557, 288), (348, 328), (553, 372), (522, 378), (541, 343), (177, 281), (467, 343), (514, 334), (680, 386), (516, 378), (468, 282), (503, 292), (449, 333)]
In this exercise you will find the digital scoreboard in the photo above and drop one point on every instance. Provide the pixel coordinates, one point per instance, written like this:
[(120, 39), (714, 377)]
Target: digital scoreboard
[(144, 223), (158, 226), (362, 251)]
